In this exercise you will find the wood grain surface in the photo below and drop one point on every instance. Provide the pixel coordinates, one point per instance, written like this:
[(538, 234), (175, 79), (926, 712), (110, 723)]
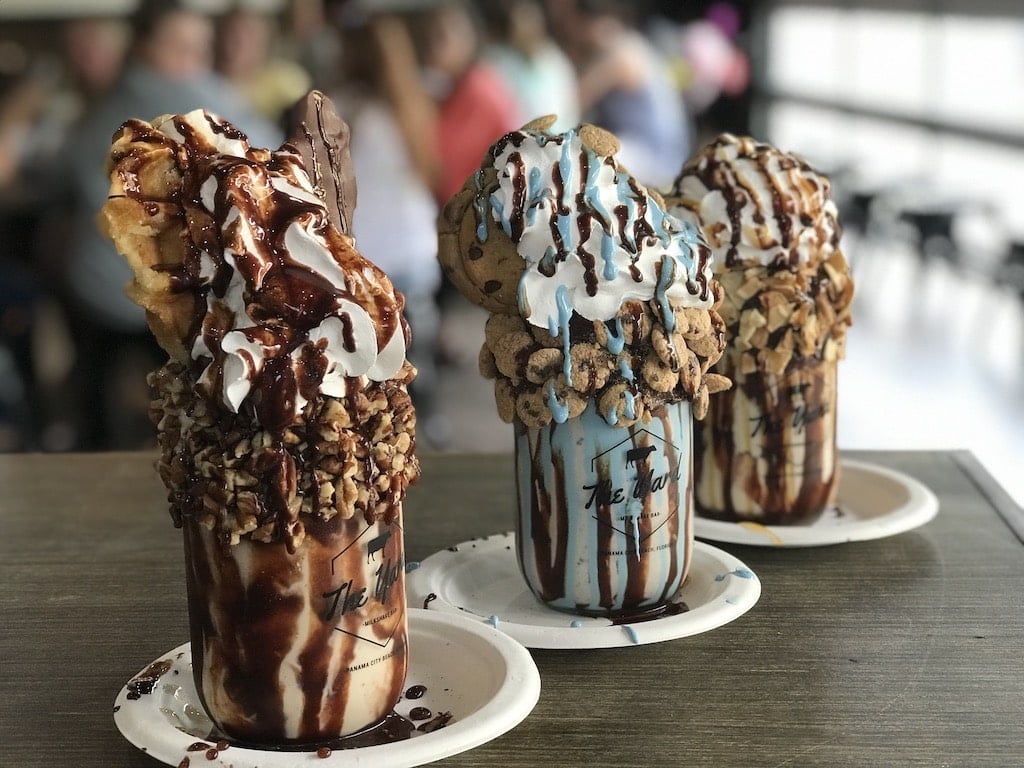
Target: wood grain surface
[(903, 651)]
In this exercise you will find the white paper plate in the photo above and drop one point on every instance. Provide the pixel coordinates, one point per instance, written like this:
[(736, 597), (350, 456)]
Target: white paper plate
[(480, 579), (874, 502), (486, 680)]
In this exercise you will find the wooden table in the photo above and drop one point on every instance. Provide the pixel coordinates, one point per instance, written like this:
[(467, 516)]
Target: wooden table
[(904, 651)]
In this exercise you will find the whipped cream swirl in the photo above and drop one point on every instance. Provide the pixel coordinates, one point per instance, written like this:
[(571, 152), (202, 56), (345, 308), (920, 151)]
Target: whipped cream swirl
[(592, 237), (289, 308), (756, 204)]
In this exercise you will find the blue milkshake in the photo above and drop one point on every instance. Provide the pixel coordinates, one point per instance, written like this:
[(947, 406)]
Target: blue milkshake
[(605, 512), (600, 358)]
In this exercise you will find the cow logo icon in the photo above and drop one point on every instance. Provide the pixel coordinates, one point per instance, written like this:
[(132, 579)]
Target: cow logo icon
[(625, 477), (633, 455)]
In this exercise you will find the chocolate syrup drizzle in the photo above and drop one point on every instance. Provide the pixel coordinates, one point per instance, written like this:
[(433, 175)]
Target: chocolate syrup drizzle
[(715, 172), (632, 236), (284, 298), (550, 507), (788, 491), (230, 606)]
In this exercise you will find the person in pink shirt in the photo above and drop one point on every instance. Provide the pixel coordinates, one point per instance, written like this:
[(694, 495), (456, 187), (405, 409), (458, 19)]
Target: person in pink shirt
[(474, 105)]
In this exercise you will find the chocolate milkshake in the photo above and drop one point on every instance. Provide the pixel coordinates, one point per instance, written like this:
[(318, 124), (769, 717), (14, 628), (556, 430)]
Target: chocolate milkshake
[(285, 426), (767, 452), (601, 333)]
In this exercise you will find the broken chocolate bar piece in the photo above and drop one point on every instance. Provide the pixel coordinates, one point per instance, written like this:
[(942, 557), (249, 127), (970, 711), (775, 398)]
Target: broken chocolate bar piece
[(321, 137)]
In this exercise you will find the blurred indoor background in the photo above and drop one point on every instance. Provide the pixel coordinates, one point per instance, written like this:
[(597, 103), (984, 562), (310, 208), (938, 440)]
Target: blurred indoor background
[(914, 108)]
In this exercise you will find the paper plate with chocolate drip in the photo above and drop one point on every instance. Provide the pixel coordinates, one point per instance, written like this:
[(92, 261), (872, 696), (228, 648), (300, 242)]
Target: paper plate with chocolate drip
[(874, 502), (480, 580), (467, 684)]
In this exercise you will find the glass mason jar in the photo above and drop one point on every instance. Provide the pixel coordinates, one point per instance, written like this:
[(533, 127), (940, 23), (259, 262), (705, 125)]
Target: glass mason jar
[(605, 513), (766, 452), (303, 646)]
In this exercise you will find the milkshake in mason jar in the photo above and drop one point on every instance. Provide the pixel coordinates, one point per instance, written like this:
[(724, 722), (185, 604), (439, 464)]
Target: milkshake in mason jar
[(767, 451), (283, 417), (601, 333), (617, 499)]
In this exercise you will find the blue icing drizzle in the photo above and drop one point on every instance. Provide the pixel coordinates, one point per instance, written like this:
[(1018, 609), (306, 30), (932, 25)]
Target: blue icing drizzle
[(666, 233), (624, 193), (536, 195), (625, 368), (630, 411), (665, 275), (688, 237), (592, 193), (612, 417), (564, 313), (559, 411), (533, 183), (611, 270), (616, 341), (480, 206), (499, 209), (658, 222), (565, 223), (633, 637), (565, 168), (742, 573), (547, 261)]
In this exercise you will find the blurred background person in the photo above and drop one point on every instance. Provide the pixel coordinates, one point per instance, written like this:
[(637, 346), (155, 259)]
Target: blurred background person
[(709, 65), (475, 108), (248, 57), (38, 111), (169, 71), (393, 121), (625, 86), (715, 64), (312, 39), (474, 105), (36, 115), (538, 74)]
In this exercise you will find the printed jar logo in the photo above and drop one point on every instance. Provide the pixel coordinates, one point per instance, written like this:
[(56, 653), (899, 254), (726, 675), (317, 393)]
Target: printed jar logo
[(803, 414), (371, 566), (625, 477)]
